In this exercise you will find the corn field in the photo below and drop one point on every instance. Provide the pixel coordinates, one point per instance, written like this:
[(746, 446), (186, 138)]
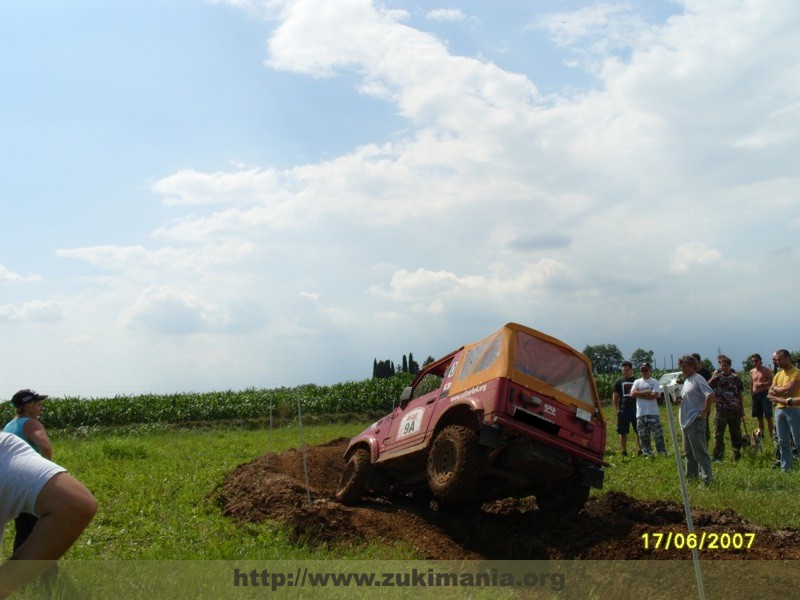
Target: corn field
[(371, 395)]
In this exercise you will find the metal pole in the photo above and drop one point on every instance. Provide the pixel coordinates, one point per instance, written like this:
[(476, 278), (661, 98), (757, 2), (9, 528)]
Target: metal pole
[(303, 449), (669, 391)]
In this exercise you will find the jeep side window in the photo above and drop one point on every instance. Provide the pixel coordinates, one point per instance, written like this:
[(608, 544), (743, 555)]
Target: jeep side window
[(429, 383), (481, 357), (490, 356)]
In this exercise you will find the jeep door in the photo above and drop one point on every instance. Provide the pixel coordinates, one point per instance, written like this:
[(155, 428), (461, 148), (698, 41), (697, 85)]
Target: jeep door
[(411, 423)]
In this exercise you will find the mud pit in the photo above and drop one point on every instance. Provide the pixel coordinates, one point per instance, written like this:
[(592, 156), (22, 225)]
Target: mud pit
[(609, 528)]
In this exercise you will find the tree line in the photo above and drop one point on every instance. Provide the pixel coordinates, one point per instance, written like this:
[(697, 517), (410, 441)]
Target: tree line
[(382, 369), (606, 358)]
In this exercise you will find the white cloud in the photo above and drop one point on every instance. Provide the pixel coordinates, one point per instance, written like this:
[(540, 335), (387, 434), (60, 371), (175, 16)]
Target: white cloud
[(692, 257), (317, 37), (38, 311), (773, 131), (332, 315), (139, 259), (433, 291), (165, 310), (189, 187), (414, 69), (7, 276), (596, 33), (422, 283), (446, 15), (256, 8)]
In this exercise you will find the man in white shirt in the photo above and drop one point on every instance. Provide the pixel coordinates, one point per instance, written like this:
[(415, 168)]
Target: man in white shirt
[(647, 391), (696, 400)]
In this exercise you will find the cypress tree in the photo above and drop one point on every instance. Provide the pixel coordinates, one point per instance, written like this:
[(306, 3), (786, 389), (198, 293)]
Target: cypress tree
[(413, 366)]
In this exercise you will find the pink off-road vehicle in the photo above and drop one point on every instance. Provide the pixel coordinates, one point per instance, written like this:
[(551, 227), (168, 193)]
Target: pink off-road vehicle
[(514, 415)]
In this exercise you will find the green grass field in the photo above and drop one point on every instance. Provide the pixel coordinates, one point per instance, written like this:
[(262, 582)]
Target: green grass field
[(751, 487), (155, 485)]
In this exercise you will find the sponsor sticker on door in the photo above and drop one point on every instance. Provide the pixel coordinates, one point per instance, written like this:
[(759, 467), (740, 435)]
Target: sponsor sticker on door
[(411, 423)]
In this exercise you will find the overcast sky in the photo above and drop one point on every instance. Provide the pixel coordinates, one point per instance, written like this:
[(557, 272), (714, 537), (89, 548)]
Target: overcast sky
[(209, 195)]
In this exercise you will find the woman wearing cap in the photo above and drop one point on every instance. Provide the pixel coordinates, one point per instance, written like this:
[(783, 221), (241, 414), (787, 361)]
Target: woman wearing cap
[(26, 425)]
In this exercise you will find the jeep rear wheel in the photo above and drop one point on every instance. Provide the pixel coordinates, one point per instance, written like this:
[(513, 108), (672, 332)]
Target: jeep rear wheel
[(454, 463), (353, 483), (566, 499)]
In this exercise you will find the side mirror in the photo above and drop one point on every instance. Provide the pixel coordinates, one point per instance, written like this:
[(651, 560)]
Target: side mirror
[(405, 397)]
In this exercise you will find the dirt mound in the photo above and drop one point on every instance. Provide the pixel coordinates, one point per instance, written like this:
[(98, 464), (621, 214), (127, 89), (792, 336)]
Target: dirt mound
[(611, 526)]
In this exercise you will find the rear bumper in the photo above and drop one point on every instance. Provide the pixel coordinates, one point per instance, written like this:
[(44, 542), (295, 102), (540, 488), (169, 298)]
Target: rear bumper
[(492, 434)]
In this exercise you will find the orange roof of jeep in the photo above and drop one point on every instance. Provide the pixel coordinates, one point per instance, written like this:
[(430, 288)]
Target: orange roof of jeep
[(530, 358)]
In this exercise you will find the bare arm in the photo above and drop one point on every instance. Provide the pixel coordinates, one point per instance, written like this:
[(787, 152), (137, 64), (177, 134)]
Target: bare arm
[(776, 399), (36, 433), (789, 388), (779, 394), (646, 394), (764, 378)]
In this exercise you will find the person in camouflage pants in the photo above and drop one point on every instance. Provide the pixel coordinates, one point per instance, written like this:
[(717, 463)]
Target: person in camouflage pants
[(647, 391), (729, 409)]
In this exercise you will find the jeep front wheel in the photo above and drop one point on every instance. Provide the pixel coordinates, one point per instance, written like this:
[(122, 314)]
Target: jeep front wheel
[(353, 483), (453, 463)]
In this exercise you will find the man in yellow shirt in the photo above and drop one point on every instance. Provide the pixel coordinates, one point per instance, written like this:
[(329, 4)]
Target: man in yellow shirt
[(785, 386)]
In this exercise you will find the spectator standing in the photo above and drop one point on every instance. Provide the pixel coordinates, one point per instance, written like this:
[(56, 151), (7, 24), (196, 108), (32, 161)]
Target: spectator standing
[(696, 400), (625, 407), (647, 391), (703, 371), (729, 410), (786, 385), (760, 381)]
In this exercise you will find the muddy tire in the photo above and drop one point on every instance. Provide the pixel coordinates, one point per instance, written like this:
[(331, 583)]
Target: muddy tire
[(353, 483), (564, 500), (454, 463)]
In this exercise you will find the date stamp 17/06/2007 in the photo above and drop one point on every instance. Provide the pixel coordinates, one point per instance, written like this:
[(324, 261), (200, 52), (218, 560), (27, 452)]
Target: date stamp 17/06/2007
[(706, 540)]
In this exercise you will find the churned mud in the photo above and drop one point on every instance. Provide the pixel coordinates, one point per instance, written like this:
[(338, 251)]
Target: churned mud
[(610, 527)]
